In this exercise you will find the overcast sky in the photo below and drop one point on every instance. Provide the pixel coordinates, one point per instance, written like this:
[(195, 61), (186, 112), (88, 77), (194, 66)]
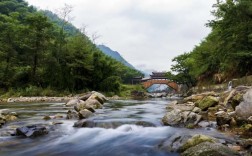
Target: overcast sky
[(147, 33)]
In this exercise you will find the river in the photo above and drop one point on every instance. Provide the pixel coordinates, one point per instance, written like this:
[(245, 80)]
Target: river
[(121, 128)]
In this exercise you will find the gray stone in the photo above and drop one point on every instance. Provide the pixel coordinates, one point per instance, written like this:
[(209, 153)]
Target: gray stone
[(31, 131), (93, 103), (173, 143), (84, 114), (223, 118), (72, 115), (195, 140), (210, 149), (177, 117), (243, 110), (84, 123), (85, 97), (72, 102), (4, 111), (172, 118)]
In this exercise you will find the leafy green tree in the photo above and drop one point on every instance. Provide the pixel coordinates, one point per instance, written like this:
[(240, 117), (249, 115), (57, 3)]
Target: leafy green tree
[(36, 40), (182, 70)]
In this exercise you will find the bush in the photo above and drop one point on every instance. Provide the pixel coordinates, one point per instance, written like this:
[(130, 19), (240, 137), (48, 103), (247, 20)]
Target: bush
[(111, 84)]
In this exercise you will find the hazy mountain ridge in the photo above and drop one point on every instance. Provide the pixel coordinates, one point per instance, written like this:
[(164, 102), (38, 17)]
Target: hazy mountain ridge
[(114, 54)]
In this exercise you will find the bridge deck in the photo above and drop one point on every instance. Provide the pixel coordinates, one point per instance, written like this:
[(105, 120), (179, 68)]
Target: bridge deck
[(169, 83)]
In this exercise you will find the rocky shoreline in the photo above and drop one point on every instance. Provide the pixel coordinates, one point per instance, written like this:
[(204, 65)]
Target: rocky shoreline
[(229, 112)]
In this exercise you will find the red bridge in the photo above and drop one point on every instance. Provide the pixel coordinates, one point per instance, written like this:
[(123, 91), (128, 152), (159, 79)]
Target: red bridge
[(151, 82), (156, 78)]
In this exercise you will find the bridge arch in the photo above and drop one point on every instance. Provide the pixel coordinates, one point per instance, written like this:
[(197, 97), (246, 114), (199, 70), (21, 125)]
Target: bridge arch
[(151, 82)]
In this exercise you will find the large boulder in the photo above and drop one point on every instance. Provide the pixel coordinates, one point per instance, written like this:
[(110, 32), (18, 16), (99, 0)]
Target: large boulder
[(178, 117), (98, 96), (172, 118), (197, 97), (208, 101), (84, 114), (195, 140), (84, 105), (93, 103), (210, 149), (31, 131), (85, 97), (73, 102), (243, 110)]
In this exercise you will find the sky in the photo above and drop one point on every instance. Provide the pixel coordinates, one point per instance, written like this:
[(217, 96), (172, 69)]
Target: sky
[(147, 33)]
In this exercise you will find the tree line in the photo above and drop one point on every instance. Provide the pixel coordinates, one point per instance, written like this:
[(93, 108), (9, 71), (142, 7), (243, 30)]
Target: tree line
[(42, 50), (226, 53)]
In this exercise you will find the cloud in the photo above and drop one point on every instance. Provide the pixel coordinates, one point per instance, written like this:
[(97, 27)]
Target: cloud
[(145, 32)]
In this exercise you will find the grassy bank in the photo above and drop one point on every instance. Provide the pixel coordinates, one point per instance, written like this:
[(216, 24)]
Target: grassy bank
[(38, 91)]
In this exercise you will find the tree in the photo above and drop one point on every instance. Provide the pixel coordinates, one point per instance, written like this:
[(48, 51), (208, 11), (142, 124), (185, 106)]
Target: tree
[(182, 69), (8, 39), (37, 39)]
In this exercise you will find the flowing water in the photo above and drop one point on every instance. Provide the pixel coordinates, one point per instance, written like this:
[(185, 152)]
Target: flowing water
[(121, 128)]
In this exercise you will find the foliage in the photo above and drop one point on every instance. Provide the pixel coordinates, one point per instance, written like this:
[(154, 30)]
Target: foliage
[(41, 52), (227, 51), (181, 68), (111, 84)]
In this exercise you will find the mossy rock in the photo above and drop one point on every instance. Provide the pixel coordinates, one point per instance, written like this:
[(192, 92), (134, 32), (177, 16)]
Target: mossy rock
[(247, 130), (236, 100), (10, 118), (207, 102), (47, 117), (195, 140), (210, 149)]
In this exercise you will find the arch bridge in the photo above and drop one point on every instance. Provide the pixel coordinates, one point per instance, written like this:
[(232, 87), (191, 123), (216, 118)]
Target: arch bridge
[(156, 78), (151, 82)]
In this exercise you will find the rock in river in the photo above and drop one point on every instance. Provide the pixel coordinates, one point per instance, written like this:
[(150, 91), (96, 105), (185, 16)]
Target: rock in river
[(210, 149), (31, 131), (195, 140), (177, 117), (83, 114)]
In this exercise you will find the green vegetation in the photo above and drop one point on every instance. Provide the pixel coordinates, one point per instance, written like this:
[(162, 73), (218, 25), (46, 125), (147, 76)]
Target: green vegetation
[(127, 89), (225, 53), (41, 54)]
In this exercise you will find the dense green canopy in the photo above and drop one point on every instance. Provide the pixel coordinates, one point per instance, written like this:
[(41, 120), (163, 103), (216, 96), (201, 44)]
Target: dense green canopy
[(226, 52), (42, 52)]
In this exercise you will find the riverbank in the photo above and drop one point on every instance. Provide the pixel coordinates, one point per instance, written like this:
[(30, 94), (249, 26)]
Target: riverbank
[(229, 111), (193, 125)]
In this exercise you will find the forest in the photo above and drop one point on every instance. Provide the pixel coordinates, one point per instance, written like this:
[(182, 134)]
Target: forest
[(41, 51), (225, 54)]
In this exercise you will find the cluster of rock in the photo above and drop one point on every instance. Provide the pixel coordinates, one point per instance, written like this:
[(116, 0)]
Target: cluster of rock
[(84, 106), (81, 107), (197, 145), (6, 115), (229, 111)]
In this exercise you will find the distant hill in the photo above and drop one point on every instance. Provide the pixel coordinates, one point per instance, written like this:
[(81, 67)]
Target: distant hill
[(114, 54)]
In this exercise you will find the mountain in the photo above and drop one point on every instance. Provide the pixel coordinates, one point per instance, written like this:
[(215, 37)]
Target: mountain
[(114, 54)]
